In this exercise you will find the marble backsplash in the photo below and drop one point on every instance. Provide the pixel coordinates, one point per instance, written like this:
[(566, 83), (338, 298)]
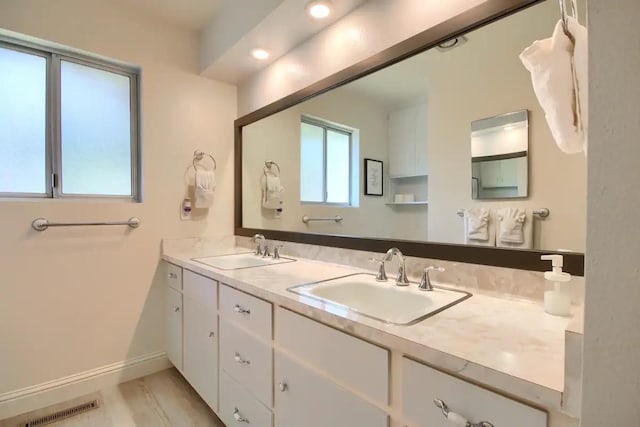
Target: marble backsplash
[(496, 281)]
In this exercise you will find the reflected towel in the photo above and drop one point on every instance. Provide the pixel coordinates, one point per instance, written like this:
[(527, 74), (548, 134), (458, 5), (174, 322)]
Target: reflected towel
[(272, 191), (205, 185), (511, 225), (551, 64), (477, 224)]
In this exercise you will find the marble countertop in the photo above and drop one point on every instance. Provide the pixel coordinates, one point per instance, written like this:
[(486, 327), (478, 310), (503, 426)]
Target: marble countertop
[(504, 344)]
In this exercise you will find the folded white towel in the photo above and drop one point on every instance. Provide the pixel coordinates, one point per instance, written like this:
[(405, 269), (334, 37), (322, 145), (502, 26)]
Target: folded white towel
[(550, 62), (272, 191), (477, 224), (205, 185), (510, 225)]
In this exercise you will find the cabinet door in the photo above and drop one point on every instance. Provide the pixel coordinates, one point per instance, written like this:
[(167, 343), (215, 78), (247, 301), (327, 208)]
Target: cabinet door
[(401, 142), (201, 350), (303, 397), (421, 139), (422, 384), (173, 312)]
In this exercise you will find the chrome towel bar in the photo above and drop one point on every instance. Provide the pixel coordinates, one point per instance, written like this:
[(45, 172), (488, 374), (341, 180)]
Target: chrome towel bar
[(41, 224), (542, 212), (306, 218)]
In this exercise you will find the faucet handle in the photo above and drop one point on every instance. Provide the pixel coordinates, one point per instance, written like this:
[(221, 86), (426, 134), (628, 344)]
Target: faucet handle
[(382, 274), (276, 251), (425, 282)]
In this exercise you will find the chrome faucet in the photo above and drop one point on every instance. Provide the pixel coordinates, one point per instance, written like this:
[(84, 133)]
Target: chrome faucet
[(425, 282), (401, 279), (276, 251), (260, 243), (381, 276)]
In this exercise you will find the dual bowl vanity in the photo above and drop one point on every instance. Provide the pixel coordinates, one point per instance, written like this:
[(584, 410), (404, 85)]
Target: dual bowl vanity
[(291, 341)]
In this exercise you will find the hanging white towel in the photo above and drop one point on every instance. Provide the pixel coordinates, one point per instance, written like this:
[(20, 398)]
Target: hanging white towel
[(478, 227), (205, 185), (581, 74), (272, 191), (550, 62), (514, 228)]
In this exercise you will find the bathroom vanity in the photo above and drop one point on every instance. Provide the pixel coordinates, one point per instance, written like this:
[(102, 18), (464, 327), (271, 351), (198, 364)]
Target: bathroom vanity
[(260, 354)]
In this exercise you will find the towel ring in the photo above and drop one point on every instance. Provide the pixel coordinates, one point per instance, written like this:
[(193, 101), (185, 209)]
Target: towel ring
[(199, 155), (268, 165), (564, 16)]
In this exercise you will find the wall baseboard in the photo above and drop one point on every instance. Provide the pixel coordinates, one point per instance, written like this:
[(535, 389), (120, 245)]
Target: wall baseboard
[(52, 392)]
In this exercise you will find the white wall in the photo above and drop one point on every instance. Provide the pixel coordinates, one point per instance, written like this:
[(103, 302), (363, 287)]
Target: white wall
[(611, 371), (77, 299), (375, 26), (483, 78)]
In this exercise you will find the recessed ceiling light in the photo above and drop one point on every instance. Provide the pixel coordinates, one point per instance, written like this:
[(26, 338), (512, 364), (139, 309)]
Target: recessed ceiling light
[(319, 9), (261, 54)]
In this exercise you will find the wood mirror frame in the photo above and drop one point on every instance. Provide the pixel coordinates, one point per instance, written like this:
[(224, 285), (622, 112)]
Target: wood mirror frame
[(490, 11)]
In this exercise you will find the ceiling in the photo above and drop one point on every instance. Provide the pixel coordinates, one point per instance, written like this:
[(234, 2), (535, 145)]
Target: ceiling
[(193, 15), (230, 29)]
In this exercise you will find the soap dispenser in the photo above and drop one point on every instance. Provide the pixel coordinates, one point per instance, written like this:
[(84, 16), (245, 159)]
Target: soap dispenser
[(557, 301)]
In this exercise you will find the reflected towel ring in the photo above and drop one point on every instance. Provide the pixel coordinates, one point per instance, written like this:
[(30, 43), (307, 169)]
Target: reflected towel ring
[(268, 165), (199, 155)]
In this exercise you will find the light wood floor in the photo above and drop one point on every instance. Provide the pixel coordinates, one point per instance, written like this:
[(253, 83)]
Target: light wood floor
[(163, 399)]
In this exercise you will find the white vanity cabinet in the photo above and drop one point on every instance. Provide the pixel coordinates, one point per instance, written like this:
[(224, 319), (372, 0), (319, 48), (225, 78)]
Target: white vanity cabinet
[(407, 141), (200, 335), (422, 384), (173, 317), (307, 398), (320, 374)]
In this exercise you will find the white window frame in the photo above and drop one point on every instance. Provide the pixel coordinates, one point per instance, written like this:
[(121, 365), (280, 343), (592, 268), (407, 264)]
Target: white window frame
[(325, 125), (53, 139)]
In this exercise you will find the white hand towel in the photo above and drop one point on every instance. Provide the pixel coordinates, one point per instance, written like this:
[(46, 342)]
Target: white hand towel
[(581, 73), (514, 228), (205, 185), (510, 225), (272, 191), (477, 224), (550, 62)]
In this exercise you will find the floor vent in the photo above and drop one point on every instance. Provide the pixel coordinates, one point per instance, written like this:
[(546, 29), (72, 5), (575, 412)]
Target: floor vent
[(65, 413)]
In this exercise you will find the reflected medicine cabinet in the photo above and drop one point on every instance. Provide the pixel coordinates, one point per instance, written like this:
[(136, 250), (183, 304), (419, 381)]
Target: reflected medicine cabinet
[(407, 149)]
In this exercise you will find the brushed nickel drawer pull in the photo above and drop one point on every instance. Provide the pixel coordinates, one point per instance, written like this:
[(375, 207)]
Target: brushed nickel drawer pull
[(241, 310), (176, 309), (173, 276), (458, 419), (239, 418), (240, 360)]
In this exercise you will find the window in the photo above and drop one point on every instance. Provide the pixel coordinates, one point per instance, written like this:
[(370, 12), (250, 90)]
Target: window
[(68, 125), (326, 163)]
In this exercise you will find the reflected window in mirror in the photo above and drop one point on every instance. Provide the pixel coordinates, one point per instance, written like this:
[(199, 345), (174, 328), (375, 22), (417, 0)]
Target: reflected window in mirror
[(326, 152)]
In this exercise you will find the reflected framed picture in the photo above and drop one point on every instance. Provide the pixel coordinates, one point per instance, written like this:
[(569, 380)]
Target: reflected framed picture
[(373, 177)]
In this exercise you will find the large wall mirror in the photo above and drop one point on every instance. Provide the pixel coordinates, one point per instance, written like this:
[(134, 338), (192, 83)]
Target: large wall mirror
[(417, 125)]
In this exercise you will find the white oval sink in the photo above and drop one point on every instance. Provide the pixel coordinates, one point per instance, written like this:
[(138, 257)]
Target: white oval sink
[(382, 301), (240, 260)]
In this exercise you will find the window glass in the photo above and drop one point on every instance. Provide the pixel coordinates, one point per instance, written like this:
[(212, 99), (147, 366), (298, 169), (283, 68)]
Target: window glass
[(311, 163), (23, 122), (338, 162), (95, 116)]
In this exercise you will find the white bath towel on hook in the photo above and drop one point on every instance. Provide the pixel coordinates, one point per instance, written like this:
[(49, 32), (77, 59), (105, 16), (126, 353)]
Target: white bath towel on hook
[(205, 185)]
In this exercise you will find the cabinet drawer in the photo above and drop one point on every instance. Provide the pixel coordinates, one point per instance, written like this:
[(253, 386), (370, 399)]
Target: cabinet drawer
[(305, 398), (200, 289), (247, 360), (422, 384), (247, 311), (173, 316), (239, 408), (174, 276), (354, 362)]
